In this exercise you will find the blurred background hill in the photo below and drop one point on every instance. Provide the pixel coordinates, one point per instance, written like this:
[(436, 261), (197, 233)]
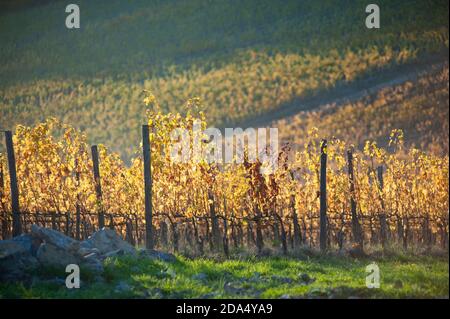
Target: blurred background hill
[(244, 59)]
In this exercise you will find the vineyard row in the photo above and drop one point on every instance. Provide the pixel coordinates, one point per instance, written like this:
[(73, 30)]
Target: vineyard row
[(328, 195)]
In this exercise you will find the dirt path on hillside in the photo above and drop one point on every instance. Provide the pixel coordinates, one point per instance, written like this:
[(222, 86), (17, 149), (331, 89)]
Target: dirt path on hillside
[(345, 93)]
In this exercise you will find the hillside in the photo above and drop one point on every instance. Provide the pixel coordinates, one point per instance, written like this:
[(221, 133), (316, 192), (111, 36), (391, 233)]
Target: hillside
[(418, 107), (108, 189), (242, 58)]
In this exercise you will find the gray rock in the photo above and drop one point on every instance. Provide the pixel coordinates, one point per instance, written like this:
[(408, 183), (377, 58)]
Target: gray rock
[(233, 288), (209, 295), (284, 280), (306, 279), (55, 238), (114, 253), (95, 266), (51, 255), (93, 262), (200, 277), (86, 245), (10, 248), (92, 256), (29, 242), (122, 287), (285, 296), (154, 254), (16, 261), (106, 240), (48, 247), (84, 251), (170, 273), (256, 277)]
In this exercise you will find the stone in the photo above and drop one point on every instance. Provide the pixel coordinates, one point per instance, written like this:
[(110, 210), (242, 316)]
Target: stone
[(51, 255), (284, 280), (114, 253), (16, 261), (209, 295), (285, 296), (10, 248), (305, 279), (29, 242), (55, 238), (86, 245), (106, 240), (167, 257), (170, 273), (93, 262), (122, 287), (84, 251), (47, 247), (256, 277), (232, 288), (200, 277), (154, 254)]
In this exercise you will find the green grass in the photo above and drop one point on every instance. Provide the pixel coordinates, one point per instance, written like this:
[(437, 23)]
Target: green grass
[(271, 277)]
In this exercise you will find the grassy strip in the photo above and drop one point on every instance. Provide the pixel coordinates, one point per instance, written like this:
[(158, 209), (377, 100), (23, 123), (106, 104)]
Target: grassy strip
[(271, 277)]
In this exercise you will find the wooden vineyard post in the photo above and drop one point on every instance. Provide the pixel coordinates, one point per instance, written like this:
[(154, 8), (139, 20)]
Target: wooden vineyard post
[(2, 194), (77, 206), (98, 186), (129, 232), (225, 231), (147, 187), (323, 237), (356, 227), (68, 226), (383, 222), (297, 240), (164, 232), (214, 222), (17, 225), (225, 238), (111, 221)]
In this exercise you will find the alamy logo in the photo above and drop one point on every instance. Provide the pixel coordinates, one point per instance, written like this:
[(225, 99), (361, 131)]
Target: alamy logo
[(73, 279), (373, 278), (373, 19), (73, 19), (211, 146)]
